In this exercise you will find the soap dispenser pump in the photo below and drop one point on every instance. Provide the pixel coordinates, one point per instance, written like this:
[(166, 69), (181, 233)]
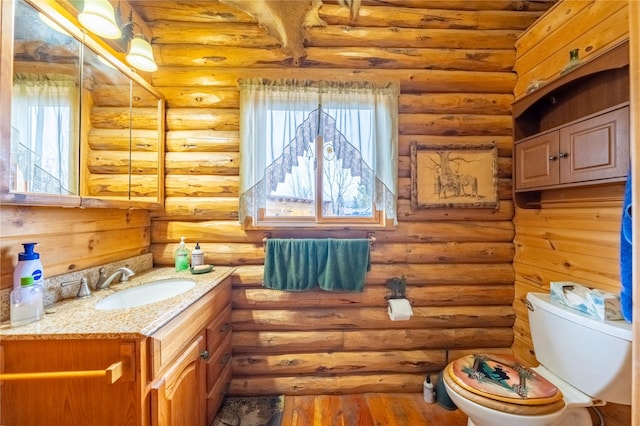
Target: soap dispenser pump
[(197, 256), (29, 265), (182, 257)]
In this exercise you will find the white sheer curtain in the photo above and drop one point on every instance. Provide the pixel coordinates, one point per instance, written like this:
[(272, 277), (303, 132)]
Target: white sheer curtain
[(44, 121), (287, 104)]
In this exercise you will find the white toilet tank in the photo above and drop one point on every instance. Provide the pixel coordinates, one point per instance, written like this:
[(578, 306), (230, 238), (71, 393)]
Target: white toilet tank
[(593, 356)]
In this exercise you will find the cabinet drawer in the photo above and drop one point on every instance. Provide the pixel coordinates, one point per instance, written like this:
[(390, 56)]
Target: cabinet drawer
[(170, 340), (218, 360), (217, 393), (218, 330)]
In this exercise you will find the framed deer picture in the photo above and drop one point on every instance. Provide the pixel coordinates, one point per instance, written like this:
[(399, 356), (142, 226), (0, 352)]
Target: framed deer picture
[(454, 176)]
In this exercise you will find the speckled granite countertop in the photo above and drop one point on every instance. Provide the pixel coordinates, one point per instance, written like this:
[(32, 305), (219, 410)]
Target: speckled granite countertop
[(78, 318)]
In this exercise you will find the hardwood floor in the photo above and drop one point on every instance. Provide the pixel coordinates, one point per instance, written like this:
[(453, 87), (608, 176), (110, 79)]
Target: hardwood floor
[(370, 409), (402, 409)]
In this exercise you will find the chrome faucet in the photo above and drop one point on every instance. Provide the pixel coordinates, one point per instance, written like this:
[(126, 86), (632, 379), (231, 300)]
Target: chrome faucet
[(104, 281)]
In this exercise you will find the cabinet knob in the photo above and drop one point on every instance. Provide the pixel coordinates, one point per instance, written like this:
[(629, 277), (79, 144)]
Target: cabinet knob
[(204, 354), (553, 158), (564, 154)]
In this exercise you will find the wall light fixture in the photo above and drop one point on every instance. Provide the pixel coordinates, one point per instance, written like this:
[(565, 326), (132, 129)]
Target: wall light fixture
[(99, 17)]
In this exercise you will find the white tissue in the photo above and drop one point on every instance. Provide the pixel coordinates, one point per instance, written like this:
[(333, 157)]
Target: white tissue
[(399, 309)]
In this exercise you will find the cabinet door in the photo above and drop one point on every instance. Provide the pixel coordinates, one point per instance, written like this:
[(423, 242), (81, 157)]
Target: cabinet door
[(178, 396), (596, 148), (536, 161)]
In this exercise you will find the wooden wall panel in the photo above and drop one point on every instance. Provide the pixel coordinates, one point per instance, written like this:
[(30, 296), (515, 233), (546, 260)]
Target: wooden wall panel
[(591, 26), (71, 239), (559, 242)]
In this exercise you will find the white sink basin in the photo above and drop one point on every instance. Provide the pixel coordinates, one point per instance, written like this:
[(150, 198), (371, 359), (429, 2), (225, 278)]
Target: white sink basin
[(148, 293)]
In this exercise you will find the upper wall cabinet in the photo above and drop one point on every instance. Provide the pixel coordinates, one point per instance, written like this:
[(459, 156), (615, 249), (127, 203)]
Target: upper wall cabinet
[(85, 130), (574, 131)]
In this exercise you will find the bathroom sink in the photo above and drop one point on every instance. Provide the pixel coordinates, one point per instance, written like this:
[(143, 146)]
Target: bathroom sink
[(154, 291)]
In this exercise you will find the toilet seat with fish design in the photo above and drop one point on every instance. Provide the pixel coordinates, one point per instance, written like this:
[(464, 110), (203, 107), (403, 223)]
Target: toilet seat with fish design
[(501, 383)]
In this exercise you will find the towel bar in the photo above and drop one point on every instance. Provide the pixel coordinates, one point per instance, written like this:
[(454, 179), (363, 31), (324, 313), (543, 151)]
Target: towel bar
[(371, 236), (112, 373)]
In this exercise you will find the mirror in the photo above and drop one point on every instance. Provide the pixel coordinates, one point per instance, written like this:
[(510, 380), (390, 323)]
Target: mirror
[(99, 142), (45, 106)]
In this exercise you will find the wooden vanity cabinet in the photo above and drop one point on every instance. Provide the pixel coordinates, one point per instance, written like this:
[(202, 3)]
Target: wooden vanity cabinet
[(176, 376), (187, 385)]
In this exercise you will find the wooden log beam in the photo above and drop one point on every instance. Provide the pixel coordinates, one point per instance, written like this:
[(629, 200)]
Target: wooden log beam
[(372, 318), (110, 95), (122, 162), (186, 97), (477, 60), (203, 141), (531, 5), (427, 18), (122, 118), (416, 274), (455, 124), (411, 80), (433, 295), (210, 208), (226, 208), (201, 186), (392, 253), (406, 232), (287, 342), (503, 212), (455, 103), (332, 363), (503, 143), (440, 38), (122, 139), (194, 163), (121, 186), (202, 119)]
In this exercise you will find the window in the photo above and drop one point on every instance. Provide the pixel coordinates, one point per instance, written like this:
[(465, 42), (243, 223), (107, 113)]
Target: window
[(317, 154)]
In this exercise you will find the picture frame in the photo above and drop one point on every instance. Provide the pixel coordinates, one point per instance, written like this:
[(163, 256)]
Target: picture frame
[(457, 176)]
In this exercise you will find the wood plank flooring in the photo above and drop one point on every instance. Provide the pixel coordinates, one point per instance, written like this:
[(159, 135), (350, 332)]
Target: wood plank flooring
[(370, 409), (401, 409)]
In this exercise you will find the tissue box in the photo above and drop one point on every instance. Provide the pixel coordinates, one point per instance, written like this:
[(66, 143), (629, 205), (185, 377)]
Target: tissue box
[(596, 303)]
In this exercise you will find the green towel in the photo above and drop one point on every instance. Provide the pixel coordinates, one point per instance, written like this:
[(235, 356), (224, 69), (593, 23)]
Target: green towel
[(291, 264), (305, 263), (346, 265)]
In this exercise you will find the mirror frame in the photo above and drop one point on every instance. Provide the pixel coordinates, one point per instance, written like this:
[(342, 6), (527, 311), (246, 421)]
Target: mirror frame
[(69, 22)]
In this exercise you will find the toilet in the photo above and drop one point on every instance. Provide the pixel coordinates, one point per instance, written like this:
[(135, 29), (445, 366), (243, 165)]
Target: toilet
[(584, 362)]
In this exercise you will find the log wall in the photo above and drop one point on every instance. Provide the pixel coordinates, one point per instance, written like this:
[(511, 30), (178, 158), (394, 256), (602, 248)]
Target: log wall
[(453, 61)]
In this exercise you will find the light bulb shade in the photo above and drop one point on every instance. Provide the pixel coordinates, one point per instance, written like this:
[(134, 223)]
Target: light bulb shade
[(98, 17), (140, 55)]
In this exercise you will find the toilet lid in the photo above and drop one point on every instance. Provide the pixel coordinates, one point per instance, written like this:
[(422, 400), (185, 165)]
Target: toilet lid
[(502, 378)]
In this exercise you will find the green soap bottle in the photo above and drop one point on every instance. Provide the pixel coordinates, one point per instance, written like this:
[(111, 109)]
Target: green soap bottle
[(182, 257)]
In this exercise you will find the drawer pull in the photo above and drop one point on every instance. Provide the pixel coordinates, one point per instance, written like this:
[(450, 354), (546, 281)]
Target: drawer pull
[(225, 327), (553, 158), (204, 354), (225, 358), (564, 155), (111, 373)]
